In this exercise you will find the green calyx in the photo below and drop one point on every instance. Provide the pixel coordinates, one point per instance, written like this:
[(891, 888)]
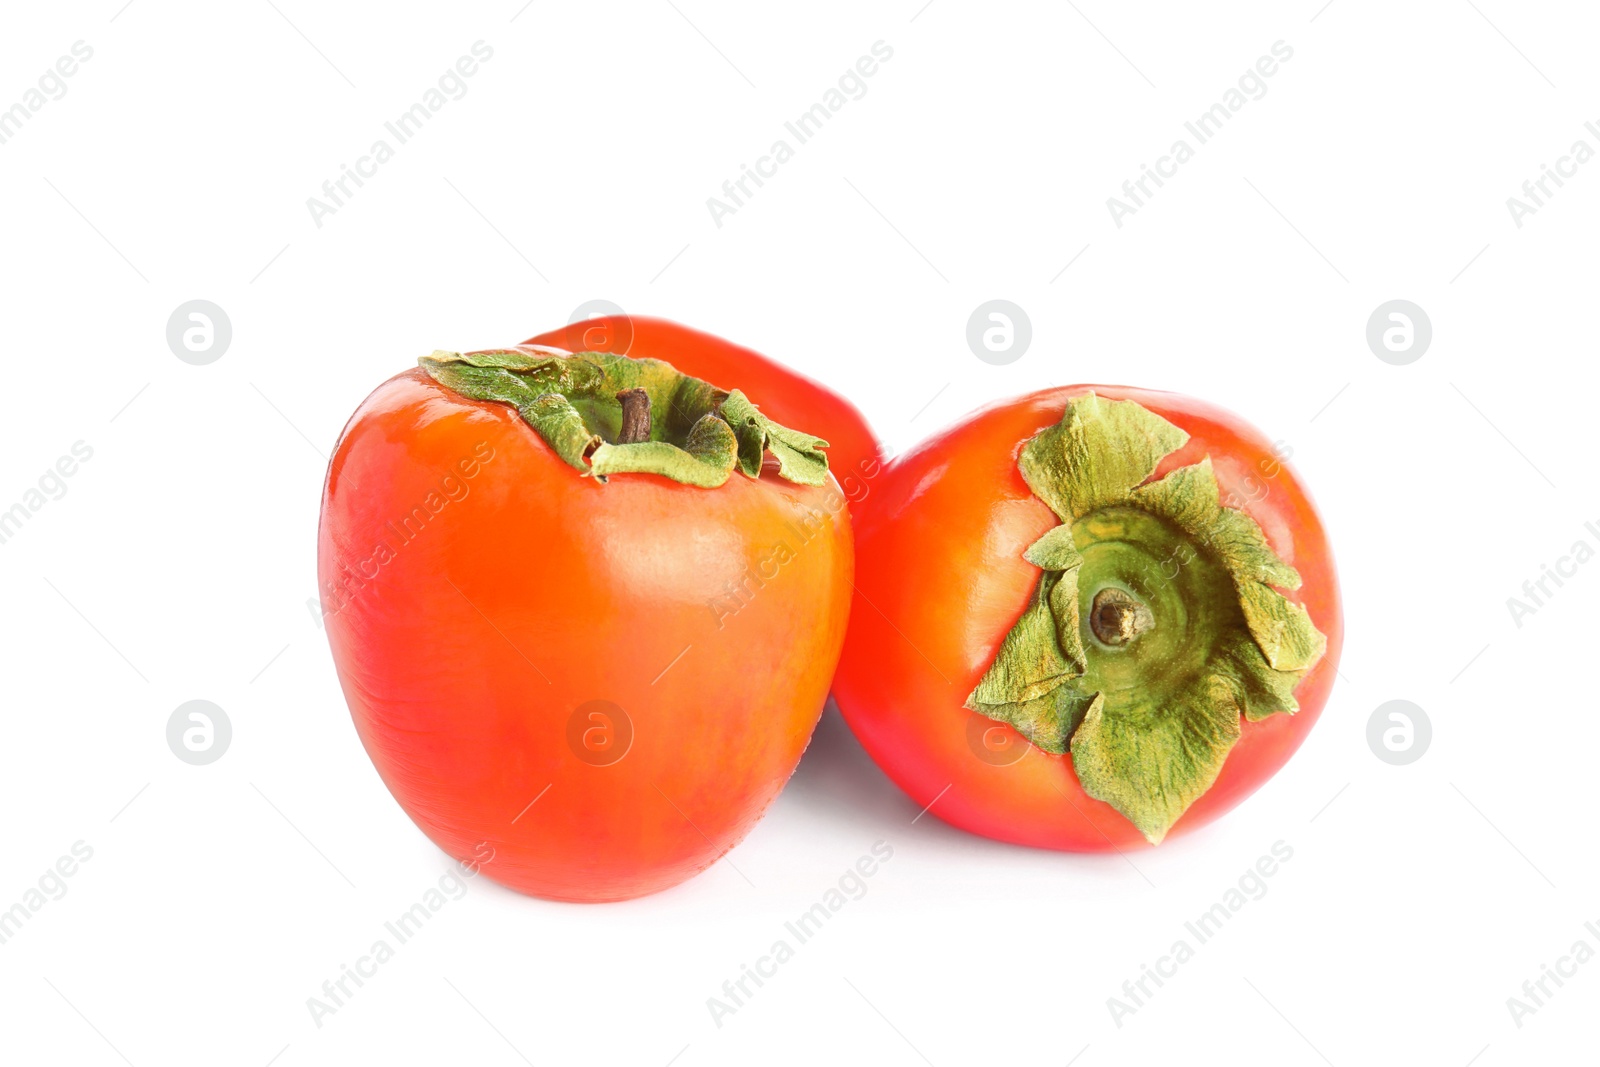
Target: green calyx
[(680, 427), (1157, 621)]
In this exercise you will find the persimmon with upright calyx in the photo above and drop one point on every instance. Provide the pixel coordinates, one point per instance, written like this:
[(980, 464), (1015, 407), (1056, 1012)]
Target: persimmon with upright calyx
[(1089, 618), (584, 609)]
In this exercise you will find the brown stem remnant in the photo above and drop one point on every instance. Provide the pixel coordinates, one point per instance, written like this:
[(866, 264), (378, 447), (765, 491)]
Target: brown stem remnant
[(1117, 618), (635, 416)]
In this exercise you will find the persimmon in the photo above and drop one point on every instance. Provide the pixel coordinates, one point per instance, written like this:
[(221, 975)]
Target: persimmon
[(584, 608), (1089, 618)]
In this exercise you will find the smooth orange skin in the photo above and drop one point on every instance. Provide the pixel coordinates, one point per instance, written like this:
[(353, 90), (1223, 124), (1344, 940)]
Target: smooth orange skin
[(785, 397), (941, 580), (464, 655)]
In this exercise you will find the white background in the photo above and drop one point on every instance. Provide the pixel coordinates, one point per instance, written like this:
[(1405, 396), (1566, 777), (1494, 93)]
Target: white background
[(179, 562)]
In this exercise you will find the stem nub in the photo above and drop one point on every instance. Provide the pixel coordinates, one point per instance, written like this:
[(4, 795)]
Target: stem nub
[(635, 416), (1117, 618)]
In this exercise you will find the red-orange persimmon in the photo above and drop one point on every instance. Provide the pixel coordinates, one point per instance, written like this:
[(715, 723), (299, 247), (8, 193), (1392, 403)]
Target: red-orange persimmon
[(584, 609), (1133, 581)]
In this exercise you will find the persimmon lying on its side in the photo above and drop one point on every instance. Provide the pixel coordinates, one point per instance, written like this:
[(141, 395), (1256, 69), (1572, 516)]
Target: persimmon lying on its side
[(1088, 618)]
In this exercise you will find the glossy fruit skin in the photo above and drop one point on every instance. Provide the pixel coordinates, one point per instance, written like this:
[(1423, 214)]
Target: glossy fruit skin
[(941, 579), (783, 395), (465, 653)]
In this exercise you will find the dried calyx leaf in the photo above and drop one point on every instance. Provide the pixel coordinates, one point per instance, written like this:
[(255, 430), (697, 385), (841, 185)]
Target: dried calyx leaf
[(682, 428), (1190, 630)]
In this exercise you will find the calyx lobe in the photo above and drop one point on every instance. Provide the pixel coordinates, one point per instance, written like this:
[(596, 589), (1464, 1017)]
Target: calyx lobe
[(588, 408)]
